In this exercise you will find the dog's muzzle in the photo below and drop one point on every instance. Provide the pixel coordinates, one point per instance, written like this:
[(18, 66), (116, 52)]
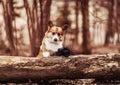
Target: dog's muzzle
[(55, 38)]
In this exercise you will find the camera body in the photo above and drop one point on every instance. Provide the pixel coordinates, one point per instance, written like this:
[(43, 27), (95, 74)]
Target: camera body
[(63, 52)]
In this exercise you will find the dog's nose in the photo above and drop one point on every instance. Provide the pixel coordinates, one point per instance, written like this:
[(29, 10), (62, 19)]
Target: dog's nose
[(55, 40)]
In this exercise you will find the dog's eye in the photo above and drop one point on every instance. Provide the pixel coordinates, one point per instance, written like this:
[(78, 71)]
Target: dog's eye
[(58, 34), (53, 33)]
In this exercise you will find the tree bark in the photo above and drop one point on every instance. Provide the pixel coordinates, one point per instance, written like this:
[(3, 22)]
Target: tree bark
[(76, 21), (45, 6), (116, 3), (111, 22), (30, 26), (46, 14), (85, 27), (13, 69), (8, 18)]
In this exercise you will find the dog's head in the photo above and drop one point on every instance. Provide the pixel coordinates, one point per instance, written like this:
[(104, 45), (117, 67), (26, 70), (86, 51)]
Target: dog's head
[(54, 33)]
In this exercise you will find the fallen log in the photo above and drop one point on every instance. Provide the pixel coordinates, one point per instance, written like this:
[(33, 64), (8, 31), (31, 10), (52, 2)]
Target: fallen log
[(16, 68)]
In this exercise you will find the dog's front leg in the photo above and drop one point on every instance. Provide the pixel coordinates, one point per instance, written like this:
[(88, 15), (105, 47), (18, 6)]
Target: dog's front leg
[(46, 54)]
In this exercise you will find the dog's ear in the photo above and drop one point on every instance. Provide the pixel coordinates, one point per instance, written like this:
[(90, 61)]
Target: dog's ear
[(50, 23), (65, 27)]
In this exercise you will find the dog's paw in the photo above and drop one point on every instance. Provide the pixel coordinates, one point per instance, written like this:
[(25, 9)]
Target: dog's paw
[(46, 54), (63, 52)]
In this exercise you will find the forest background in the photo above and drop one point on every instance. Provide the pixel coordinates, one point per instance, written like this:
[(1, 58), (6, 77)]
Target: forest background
[(94, 25)]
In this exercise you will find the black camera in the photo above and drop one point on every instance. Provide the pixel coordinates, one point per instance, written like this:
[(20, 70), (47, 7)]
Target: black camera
[(63, 52)]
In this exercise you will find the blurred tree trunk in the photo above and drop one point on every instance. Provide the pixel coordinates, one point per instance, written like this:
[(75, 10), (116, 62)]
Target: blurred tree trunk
[(8, 18), (30, 25), (77, 26), (65, 13), (118, 17), (36, 25), (63, 17), (112, 21), (86, 34), (109, 30), (45, 6), (41, 33), (46, 14)]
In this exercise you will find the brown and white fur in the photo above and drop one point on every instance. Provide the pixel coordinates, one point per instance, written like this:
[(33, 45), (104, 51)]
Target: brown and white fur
[(52, 41)]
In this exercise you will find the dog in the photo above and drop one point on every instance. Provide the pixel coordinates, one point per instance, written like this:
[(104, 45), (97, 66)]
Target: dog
[(53, 40)]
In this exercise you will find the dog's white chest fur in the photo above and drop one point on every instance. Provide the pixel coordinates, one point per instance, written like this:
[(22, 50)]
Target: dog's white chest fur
[(53, 47)]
